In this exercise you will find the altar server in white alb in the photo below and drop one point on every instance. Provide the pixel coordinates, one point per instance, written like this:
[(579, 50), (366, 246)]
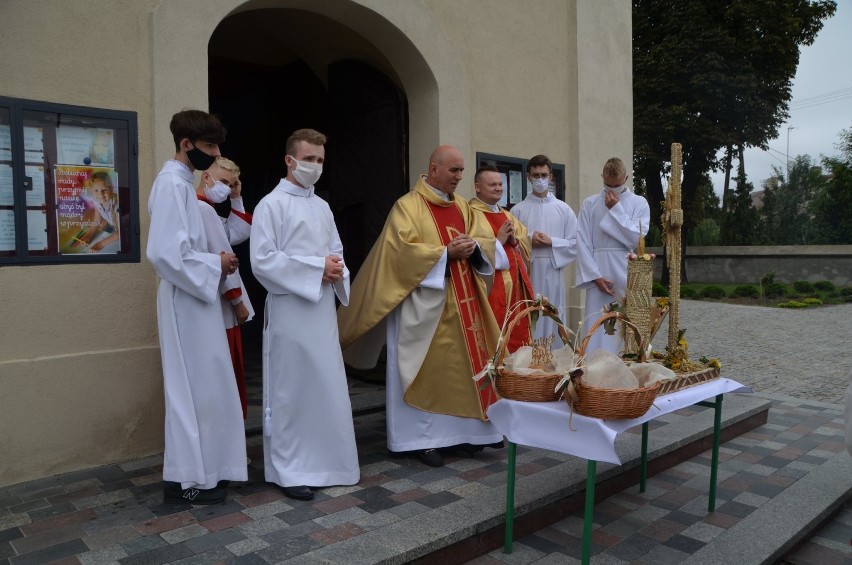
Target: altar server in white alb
[(216, 184), (552, 226), (296, 253), (611, 223), (205, 437)]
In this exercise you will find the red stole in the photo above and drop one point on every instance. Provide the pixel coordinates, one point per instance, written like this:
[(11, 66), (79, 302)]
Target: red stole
[(521, 288), (449, 222)]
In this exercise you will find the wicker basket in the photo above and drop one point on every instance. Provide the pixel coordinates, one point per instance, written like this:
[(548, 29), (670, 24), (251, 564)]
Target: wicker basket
[(610, 403), (687, 380), (529, 388)]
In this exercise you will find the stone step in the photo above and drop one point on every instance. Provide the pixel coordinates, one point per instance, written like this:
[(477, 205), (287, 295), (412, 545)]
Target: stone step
[(473, 526)]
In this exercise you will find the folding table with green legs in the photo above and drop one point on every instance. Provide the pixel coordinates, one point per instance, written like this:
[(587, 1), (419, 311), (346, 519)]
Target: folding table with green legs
[(546, 425)]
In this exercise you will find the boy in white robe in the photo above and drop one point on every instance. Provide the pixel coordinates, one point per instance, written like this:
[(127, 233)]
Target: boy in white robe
[(296, 254), (552, 226), (204, 433), (609, 228), (220, 181)]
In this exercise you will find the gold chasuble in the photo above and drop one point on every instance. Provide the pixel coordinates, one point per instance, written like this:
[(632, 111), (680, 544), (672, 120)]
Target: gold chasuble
[(444, 337), (513, 284)]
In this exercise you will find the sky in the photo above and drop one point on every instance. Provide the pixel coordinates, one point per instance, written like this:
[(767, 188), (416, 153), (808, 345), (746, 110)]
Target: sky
[(821, 105)]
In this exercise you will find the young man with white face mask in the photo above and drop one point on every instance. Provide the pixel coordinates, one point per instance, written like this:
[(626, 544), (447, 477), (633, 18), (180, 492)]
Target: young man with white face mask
[(553, 228), (296, 254), (215, 185), (611, 223)]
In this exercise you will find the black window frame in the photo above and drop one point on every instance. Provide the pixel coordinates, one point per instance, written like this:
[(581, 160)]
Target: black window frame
[(79, 116)]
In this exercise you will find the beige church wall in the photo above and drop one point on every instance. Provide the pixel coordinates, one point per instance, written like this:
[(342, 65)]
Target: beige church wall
[(80, 375), (80, 378), (552, 78)]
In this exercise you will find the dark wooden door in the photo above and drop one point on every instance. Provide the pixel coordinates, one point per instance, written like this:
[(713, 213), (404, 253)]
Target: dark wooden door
[(367, 153)]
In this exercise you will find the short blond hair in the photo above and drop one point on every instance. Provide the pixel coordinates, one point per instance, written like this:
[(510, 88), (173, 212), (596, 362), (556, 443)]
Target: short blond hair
[(228, 165), (614, 168)]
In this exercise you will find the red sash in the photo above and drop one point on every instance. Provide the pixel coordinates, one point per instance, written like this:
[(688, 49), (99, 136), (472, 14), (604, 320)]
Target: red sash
[(499, 299), (449, 222)]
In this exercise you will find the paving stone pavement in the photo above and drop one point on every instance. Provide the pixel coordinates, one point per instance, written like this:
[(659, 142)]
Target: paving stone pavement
[(115, 514)]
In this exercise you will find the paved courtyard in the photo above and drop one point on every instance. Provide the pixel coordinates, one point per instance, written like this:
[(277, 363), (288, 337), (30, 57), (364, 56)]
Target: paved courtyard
[(115, 514)]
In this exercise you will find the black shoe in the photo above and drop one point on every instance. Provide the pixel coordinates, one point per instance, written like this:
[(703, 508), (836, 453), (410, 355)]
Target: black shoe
[(431, 457), (468, 449), (223, 484), (495, 445), (173, 494), (299, 493)]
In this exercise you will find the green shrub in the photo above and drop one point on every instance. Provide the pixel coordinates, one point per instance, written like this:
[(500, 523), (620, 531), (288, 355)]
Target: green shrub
[(745, 291), (705, 233), (846, 291), (847, 298), (812, 301), (687, 291), (773, 290), (792, 304), (767, 279), (824, 286), (713, 291), (803, 287), (659, 290)]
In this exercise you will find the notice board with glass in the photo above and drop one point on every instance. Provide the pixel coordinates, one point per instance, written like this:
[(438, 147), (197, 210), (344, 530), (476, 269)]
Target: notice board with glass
[(68, 184)]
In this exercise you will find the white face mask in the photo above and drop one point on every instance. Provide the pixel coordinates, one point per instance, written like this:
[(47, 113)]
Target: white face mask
[(306, 173), (540, 185), (617, 190), (218, 192)]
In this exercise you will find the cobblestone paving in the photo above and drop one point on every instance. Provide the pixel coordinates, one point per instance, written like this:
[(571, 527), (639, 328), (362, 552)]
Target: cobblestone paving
[(115, 514), (801, 353)]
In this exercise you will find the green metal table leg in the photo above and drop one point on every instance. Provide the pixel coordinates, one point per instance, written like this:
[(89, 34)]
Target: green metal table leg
[(714, 462), (591, 475), (510, 500), (643, 469)]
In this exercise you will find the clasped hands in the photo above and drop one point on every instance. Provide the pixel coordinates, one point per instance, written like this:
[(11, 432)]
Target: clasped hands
[(461, 247), (230, 263), (506, 233), (333, 269), (541, 240)]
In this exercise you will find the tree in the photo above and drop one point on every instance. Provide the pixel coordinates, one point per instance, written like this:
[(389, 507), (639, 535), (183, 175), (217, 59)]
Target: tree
[(831, 206), (786, 202), (711, 74), (742, 225)]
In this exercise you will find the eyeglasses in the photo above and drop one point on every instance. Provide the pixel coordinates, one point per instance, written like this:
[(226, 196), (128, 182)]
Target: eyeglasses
[(539, 175)]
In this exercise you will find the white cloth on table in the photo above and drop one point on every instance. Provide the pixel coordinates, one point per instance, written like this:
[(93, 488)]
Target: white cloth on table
[(546, 424)]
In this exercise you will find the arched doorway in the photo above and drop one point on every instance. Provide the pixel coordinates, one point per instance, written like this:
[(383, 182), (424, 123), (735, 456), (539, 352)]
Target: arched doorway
[(264, 89)]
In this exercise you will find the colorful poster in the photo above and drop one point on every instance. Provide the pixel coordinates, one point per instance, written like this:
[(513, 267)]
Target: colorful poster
[(87, 217), (85, 146)]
